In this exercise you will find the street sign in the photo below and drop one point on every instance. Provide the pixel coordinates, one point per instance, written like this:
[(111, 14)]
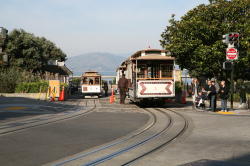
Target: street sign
[(232, 54)]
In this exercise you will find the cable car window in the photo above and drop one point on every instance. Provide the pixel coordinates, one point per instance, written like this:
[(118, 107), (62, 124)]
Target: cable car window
[(166, 70), (97, 80), (152, 52), (85, 80), (91, 82), (141, 70)]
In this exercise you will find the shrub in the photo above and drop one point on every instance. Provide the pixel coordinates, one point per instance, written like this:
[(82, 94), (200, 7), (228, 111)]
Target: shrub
[(32, 87), (63, 85), (178, 87), (11, 76)]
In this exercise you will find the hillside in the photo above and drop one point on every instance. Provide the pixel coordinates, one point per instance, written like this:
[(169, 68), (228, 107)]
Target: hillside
[(105, 63)]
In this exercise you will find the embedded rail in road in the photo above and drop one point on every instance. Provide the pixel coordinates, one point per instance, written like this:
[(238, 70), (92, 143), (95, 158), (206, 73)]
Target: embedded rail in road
[(64, 114), (164, 127)]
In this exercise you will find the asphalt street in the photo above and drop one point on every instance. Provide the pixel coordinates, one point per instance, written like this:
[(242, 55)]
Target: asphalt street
[(40, 145), (212, 139)]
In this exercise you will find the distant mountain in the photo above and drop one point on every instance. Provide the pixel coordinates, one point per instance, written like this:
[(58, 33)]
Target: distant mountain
[(105, 63)]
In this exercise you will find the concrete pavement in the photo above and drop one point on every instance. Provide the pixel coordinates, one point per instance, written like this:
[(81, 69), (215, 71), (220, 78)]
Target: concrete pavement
[(214, 139)]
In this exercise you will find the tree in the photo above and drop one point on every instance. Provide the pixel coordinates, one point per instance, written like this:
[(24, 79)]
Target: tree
[(196, 39), (29, 52)]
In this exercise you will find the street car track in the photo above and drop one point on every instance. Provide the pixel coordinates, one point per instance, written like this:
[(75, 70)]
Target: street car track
[(149, 125), (105, 154), (74, 112), (163, 144)]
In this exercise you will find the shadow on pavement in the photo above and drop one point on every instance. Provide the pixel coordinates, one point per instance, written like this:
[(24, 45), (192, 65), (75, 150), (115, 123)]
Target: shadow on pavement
[(30, 107), (243, 160)]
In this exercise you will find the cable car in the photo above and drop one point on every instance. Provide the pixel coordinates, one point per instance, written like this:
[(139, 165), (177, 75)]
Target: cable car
[(91, 84), (151, 75)]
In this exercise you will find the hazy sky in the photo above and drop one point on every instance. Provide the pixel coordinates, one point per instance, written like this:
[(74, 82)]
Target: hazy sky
[(81, 26)]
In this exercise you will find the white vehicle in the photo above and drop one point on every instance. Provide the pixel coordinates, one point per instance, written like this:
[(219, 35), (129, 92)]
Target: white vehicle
[(151, 75), (91, 84)]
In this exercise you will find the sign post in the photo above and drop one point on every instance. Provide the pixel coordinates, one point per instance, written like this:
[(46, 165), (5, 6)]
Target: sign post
[(231, 54)]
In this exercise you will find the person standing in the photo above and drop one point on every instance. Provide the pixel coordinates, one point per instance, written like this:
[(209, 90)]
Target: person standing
[(213, 94), (105, 87), (223, 91), (195, 89), (241, 89), (123, 87), (207, 89)]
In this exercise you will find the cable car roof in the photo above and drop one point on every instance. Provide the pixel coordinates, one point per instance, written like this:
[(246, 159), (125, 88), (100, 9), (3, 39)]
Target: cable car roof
[(154, 57), (91, 73), (147, 54)]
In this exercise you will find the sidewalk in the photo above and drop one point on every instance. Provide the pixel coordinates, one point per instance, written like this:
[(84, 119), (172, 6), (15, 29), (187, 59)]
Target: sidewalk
[(236, 108)]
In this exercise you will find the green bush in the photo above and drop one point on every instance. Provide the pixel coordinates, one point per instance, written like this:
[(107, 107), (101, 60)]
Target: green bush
[(236, 97), (11, 76), (178, 87), (63, 85), (32, 87), (247, 84)]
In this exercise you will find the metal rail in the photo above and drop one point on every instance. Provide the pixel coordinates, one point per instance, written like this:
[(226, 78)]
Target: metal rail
[(126, 149), (164, 143), (153, 134), (35, 122), (119, 141)]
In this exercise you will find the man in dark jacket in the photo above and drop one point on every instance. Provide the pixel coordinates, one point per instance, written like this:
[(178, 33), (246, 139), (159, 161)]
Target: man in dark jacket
[(106, 88), (223, 91), (212, 93), (123, 87)]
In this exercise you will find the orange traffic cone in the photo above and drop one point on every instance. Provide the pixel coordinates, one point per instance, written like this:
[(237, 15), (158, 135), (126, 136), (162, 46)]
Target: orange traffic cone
[(112, 97), (61, 97)]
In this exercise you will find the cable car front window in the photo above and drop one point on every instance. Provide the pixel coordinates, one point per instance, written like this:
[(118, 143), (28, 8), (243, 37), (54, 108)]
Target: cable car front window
[(85, 80), (154, 70), (97, 80), (166, 70)]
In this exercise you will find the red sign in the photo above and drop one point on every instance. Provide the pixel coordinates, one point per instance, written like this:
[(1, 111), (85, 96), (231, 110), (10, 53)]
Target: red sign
[(232, 54)]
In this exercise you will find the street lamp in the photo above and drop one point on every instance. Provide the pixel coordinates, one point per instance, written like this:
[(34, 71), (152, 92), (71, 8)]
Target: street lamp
[(3, 36), (5, 58), (3, 33)]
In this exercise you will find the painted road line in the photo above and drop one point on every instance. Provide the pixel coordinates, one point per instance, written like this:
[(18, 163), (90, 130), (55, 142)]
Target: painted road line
[(14, 108), (226, 113)]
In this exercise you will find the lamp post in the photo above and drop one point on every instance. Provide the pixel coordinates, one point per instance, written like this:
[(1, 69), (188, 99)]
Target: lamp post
[(3, 36)]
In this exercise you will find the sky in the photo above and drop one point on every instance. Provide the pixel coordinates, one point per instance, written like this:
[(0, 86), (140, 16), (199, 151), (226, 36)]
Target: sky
[(83, 26)]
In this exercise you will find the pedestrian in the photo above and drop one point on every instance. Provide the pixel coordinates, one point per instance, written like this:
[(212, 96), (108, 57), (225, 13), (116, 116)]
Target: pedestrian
[(207, 89), (223, 91), (195, 89), (123, 87), (213, 94), (241, 89), (105, 87), (200, 100)]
